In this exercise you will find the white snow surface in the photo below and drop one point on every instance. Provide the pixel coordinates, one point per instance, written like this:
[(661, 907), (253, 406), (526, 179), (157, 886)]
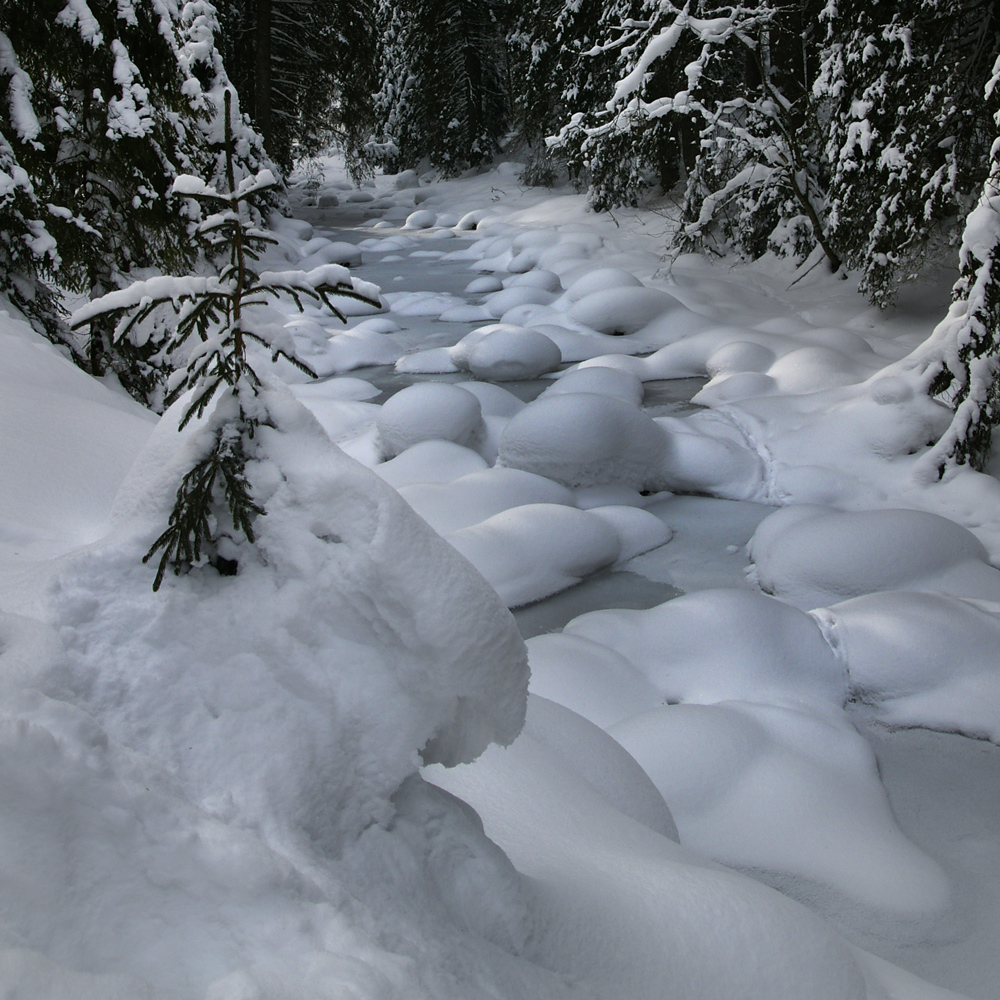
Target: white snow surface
[(216, 791)]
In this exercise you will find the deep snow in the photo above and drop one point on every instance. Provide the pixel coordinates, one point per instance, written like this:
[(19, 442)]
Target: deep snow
[(247, 788)]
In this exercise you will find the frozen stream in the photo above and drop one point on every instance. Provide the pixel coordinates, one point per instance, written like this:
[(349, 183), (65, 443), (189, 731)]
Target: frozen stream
[(749, 747), (619, 588), (934, 782)]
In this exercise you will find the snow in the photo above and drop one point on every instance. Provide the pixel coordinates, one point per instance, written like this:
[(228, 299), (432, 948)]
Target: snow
[(722, 645), (225, 790), (432, 411), (584, 439), (510, 353), (812, 556), (600, 877), (896, 644), (620, 310), (789, 791), (475, 497), (93, 436)]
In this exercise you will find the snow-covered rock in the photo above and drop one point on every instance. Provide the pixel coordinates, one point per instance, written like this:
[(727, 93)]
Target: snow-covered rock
[(814, 556), (584, 439), (723, 645), (428, 411), (511, 353)]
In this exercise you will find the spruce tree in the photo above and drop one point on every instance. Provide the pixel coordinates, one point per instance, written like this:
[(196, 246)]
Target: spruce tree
[(209, 347), (718, 98), (960, 364), (27, 251), (908, 131), (123, 94), (306, 68)]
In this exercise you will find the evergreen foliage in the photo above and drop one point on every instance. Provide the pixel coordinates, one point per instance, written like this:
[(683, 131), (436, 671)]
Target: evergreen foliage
[(718, 98), (444, 94), (208, 350), (27, 251), (909, 132), (961, 361), (856, 125), (123, 97), (321, 59)]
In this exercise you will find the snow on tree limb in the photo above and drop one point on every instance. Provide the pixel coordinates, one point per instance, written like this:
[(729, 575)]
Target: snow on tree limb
[(961, 360)]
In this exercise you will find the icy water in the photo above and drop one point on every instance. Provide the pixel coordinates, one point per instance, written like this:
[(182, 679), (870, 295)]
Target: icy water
[(423, 267), (389, 381), (604, 589)]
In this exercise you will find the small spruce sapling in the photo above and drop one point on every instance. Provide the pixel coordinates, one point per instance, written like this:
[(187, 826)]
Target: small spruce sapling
[(213, 326)]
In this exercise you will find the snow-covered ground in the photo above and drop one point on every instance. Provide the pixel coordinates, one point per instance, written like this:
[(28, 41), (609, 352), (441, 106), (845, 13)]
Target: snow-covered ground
[(760, 756)]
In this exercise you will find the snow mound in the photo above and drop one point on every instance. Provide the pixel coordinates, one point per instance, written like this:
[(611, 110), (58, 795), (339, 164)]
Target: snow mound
[(813, 556), (708, 453), (360, 347), (630, 912), (638, 531), (592, 679), (722, 645), (517, 295), (787, 793), (90, 437), (423, 218), (508, 353), (484, 284), (535, 550), (601, 761), (323, 251), (923, 659), (583, 439), (428, 411), (737, 357), (479, 495), (494, 399), (430, 462), (600, 381), (579, 344), (537, 278), (733, 388), (809, 369), (600, 279), (621, 311), (302, 689)]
